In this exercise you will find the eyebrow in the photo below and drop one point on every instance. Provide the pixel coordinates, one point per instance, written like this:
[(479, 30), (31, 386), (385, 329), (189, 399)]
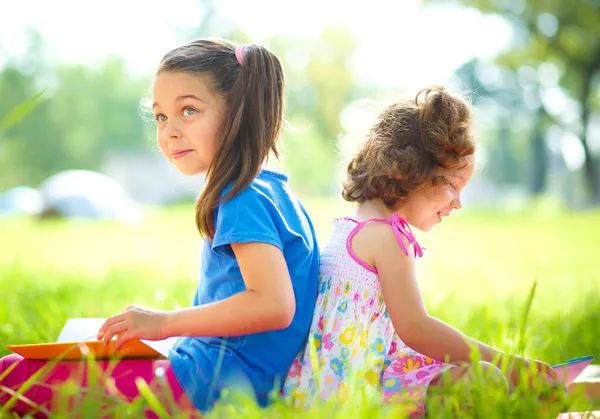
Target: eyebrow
[(462, 179), (182, 97)]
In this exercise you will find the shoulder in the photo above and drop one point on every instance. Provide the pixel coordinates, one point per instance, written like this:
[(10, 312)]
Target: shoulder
[(265, 210), (378, 244), (380, 235), (263, 190)]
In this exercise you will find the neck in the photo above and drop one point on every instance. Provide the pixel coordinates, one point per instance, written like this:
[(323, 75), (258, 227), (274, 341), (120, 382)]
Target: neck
[(373, 208), (264, 165)]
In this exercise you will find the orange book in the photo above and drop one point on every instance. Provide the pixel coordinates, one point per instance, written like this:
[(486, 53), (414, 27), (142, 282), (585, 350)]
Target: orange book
[(77, 340)]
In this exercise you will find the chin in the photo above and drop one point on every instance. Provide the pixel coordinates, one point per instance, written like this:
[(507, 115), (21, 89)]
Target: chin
[(191, 171), (424, 228)]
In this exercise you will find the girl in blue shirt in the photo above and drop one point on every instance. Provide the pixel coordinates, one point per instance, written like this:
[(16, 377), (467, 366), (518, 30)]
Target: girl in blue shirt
[(219, 112)]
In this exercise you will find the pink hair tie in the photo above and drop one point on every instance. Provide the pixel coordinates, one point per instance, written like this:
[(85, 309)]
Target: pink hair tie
[(240, 50)]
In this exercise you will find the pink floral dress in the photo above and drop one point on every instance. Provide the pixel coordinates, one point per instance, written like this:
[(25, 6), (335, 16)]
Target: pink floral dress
[(352, 333)]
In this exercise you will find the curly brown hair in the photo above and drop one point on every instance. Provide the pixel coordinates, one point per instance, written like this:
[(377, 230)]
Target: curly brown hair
[(410, 141)]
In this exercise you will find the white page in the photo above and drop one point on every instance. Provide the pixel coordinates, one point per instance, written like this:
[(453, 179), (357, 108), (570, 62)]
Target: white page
[(86, 329), (80, 329), (161, 346)]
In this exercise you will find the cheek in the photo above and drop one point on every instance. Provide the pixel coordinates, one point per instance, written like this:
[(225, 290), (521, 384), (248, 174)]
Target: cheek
[(434, 198), (448, 196), (443, 197), (423, 207), (162, 143), (211, 137)]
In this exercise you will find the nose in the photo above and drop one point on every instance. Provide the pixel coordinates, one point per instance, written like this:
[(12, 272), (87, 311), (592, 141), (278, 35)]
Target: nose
[(456, 202), (171, 131)]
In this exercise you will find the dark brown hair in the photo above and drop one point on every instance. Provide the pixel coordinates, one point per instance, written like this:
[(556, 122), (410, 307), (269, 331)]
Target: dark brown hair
[(253, 93), (410, 141)]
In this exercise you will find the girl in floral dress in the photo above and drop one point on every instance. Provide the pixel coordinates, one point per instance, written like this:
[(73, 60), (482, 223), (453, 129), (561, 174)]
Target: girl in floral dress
[(370, 322)]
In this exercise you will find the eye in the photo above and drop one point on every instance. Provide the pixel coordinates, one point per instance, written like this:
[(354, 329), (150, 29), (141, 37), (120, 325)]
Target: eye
[(445, 181), (187, 111), (160, 117)]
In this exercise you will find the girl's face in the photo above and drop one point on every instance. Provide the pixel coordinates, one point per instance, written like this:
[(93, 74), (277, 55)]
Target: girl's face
[(425, 208), (188, 114)]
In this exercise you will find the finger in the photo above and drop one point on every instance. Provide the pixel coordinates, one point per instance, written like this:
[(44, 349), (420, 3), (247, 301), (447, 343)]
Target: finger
[(109, 322), (539, 367), (551, 372), (114, 330), (547, 369), (122, 338)]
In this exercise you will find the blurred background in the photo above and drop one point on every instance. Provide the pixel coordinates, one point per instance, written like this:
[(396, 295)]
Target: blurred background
[(530, 67), (75, 142)]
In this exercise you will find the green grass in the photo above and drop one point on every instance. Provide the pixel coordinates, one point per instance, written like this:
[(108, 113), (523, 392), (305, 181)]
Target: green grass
[(477, 273)]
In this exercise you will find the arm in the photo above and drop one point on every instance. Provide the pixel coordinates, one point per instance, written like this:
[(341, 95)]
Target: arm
[(245, 223), (415, 327), (267, 304), (420, 331)]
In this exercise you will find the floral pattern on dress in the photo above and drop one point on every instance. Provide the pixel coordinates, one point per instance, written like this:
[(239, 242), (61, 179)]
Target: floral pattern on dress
[(352, 336)]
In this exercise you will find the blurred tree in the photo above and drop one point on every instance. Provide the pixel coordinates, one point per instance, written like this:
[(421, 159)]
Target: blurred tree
[(539, 152), (17, 157), (86, 112), (514, 159), (320, 84), (567, 35), (97, 109)]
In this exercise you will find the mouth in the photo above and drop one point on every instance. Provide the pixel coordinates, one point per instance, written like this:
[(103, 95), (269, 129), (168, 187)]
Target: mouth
[(179, 154), (440, 215)]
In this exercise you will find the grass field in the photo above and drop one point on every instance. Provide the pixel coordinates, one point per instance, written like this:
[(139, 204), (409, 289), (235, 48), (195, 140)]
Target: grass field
[(477, 273)]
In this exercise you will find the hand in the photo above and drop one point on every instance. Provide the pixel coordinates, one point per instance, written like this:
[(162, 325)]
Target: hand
[(134, 323), (540, 368), (547, 370)]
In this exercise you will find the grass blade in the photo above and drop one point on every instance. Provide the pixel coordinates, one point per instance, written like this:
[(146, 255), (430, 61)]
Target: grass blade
[(18, 113)]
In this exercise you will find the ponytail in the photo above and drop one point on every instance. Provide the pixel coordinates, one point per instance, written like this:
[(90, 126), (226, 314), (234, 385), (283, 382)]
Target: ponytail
[(250, 131)]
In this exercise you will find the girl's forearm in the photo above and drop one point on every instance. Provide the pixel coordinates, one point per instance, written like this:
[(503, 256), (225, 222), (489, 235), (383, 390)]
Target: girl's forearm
[(244, 313), (442, 342)]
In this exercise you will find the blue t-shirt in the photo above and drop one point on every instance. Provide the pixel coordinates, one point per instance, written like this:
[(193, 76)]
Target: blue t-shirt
[(266, 211)]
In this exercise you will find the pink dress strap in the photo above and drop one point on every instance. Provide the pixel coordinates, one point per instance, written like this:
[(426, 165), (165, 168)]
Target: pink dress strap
[(400, 228)]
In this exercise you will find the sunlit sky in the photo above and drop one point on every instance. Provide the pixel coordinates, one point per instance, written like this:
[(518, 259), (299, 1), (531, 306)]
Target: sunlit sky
[(402, 43)]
